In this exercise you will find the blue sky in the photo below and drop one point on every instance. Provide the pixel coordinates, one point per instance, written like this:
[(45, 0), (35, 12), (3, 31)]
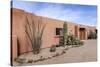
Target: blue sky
[(82, 14)]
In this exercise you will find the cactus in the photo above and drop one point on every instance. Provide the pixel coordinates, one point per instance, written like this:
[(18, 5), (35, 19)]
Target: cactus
[(65, 31)]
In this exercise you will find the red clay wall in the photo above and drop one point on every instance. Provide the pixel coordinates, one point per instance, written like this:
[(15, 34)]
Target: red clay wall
[(49, 36)]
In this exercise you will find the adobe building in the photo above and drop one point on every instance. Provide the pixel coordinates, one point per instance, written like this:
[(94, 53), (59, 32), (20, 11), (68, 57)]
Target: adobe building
[(51, 33)]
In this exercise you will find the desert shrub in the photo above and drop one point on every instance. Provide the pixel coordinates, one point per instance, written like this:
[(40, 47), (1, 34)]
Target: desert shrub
[(58, 45), (53, 48), (72, 40), (68, 39), (92, 35), (61, 41), (76, 41), (30, 61), (34, 32)]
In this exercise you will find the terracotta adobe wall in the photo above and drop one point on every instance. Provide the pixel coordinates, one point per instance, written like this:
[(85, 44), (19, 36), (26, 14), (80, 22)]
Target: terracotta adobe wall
[(49, 36), (18, 31)]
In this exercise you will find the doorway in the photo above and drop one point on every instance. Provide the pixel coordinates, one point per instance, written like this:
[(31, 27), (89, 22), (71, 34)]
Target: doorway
[(82, 33)]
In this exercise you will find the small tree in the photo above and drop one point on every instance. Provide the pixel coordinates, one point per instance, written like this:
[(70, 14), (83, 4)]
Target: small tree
[(34, 31)]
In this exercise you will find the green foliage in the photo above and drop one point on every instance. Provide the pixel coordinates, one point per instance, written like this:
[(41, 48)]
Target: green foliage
[(74, 40), (53, 48), (61, 41), (71, 40), (92, 35), (65, 31), (68, 39), (58, 45)]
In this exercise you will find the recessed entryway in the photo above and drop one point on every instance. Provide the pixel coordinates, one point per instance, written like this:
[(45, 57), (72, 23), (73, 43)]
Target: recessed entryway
[(82, 33)]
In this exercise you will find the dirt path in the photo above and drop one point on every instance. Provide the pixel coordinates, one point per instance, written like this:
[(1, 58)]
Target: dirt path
[(85, 53)]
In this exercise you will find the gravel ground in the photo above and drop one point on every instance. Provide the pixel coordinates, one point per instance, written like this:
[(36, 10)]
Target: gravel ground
[(85, 53)]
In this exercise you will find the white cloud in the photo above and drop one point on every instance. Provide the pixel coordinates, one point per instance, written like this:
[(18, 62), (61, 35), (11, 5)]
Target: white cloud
[(61, 11), (58, 12), (77, 16)]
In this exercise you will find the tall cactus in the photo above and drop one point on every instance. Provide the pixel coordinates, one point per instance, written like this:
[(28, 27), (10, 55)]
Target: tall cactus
[(65, 33)]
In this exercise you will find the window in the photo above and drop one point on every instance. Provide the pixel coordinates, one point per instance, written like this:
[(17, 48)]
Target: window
[(59, 31)]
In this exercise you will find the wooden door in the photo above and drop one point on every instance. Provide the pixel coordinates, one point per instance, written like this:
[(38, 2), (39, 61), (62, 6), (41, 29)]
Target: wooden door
[(82, 34)]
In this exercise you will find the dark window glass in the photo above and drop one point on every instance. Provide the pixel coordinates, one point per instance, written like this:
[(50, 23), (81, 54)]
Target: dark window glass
[(59, 31)]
